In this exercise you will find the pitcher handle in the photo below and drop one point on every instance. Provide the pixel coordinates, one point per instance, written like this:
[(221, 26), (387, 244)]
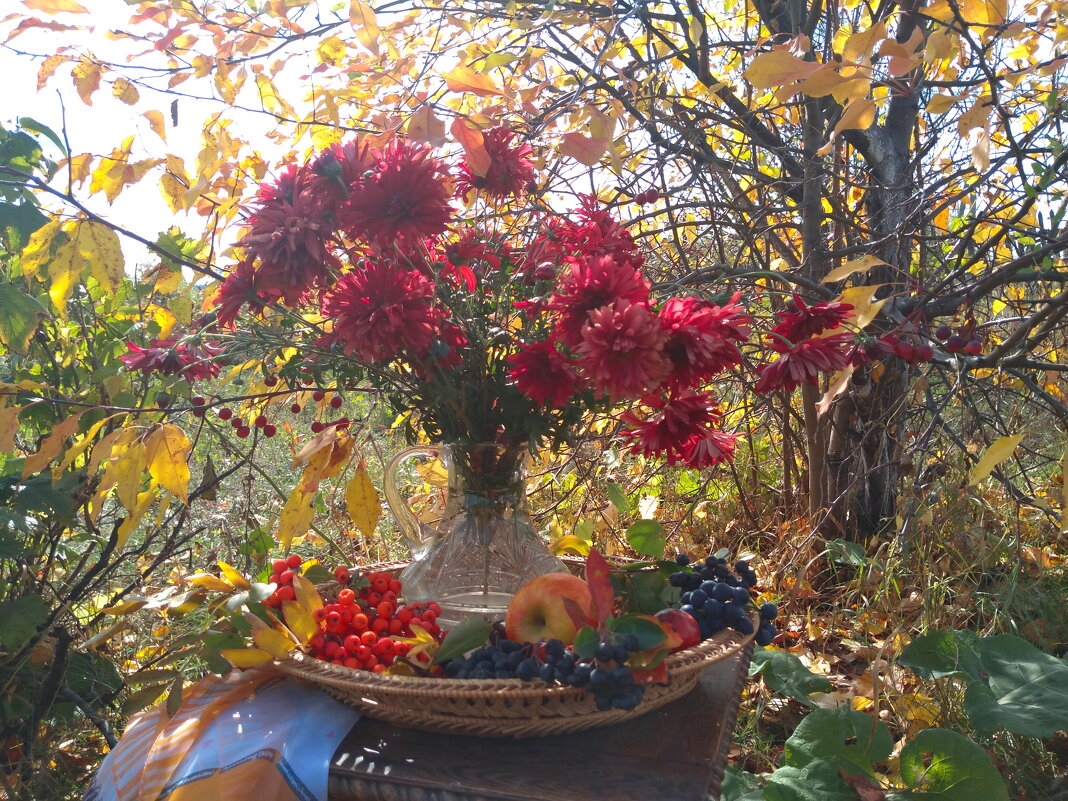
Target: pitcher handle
[(418, 536)]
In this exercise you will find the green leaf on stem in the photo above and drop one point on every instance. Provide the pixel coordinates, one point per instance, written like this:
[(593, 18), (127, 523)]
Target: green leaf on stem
[(586, 641), (645, 537), (466, 636), (649, 633)]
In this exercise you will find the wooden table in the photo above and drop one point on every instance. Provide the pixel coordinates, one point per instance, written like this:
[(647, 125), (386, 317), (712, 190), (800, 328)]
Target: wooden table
[(676, 753)]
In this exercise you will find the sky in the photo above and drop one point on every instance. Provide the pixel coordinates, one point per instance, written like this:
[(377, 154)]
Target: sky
[(101, 127)]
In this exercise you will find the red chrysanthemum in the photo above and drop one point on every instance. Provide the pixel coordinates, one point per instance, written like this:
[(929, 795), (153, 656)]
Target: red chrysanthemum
[(711, 448), (622, 350), (805, 321), (804, 362), (404, 199), (681, 428), (595, 232), (701, 338), (239, 288), (509, 171), (333, 172), (380, 310), (481, 250), (592, 284), (544, 374), (286, 240), (170, 357)]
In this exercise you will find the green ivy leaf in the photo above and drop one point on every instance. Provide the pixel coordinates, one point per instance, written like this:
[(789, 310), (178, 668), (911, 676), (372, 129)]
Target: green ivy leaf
[(817, 781), (844, 734), (784, 674), (942, 765), (19, 619), (1011, 684), (649, 634), (466, 636), (645, 537), (586, 641), (22, 314)]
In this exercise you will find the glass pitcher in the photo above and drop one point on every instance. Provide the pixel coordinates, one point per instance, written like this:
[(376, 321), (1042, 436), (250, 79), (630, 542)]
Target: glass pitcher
[(484, 547)]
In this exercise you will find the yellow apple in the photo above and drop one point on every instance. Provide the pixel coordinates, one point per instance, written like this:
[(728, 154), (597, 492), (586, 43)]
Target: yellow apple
[(537, 610)]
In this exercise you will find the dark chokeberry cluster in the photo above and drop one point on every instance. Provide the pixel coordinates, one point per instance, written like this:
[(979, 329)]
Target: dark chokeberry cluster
[(717, 598), (606, 675)]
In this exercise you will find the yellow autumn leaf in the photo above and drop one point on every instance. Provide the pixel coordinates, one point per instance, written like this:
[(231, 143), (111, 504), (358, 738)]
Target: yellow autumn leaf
[(273, 642), (465, 79), (51, 446), (837, 385), (40, 249), (299, 621), (858, 115), (999, 450), (361, 499), (167, 450), (235, 579), (55, 6), (136, 514), (569, 543), (245, 657), (778, 67), (125, 91), (97, 246), (364, 24), (78, 448), (862, 299), (423, 126), (156, 123), (307, 595), (296, 517), (9, 425), (124, 608), (86, 74), (209, 582), (846, 269)]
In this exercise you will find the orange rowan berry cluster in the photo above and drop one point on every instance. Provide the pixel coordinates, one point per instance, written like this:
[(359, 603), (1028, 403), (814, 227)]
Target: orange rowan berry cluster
[(283, 571), (362, 628)]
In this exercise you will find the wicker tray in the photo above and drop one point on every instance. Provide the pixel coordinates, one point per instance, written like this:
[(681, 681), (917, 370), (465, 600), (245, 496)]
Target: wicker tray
[(500, 707)]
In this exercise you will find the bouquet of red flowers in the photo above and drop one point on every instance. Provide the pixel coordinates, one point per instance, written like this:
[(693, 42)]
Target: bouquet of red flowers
[(507, 329)]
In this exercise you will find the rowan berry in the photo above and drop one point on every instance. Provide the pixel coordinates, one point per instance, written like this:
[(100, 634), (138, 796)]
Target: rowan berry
[(434, 607), (336, 402), (395, 626), (286, 577), (955, 344), (943, 332), (395, 585), (333, 617), (286, 594), (236, 422), (318, 395), (401, 648), (924, 353), (342, 575), (385, 609), (374, 598), (352, 643), (319, 615), (973, 347), (317, 427), (225, 413), (270, 430), (295, 561), (380, 625), (369, 638), (243, 432), (346, 597), (360, 622), (260, 421), (405, 616), (295, 408), (378, 668), (351, 663), (380, 583), (278, 565)]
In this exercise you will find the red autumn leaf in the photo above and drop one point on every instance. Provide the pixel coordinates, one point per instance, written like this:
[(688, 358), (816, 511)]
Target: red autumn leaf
[(600, 587)]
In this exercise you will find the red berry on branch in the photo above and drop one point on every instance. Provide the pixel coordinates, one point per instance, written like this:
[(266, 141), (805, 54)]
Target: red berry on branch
[(225, 413), (924, 353), (286, 576), (973, 347), (294, 561), (269, 430), (287, 594), (342, 575), (342, 422), (198, 401), (318, 395), (295, 408), (904, 350), (261, 420), (243, 432), (336, 402), (198, 412), (955, 344), (278, 565), (943, 332), (316, 427), (651, 196), (270, 380), (273, 578), (236, 422)]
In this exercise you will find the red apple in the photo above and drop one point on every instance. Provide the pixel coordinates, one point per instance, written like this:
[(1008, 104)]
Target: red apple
[(537, 610), (683, 624)]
